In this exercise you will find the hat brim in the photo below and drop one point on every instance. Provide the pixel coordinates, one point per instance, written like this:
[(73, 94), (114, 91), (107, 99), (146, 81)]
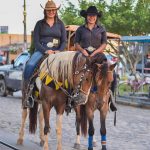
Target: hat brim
[(84, 13), (52, 8)]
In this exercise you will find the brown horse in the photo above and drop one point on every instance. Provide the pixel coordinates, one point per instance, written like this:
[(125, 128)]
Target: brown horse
[(97, 100), (57, 69)]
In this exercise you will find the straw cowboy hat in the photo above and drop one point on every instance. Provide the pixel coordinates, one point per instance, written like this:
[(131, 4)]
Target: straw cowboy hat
[(92, 10), (50, 5)]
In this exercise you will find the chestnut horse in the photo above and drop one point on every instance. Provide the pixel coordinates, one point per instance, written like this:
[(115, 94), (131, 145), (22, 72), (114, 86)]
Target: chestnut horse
[(97, 100), (57, 69)]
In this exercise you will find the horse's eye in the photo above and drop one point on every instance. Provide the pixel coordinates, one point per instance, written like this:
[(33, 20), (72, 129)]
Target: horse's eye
[(87, 79)]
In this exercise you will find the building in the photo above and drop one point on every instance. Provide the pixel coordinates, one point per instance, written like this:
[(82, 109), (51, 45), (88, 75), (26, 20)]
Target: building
[(7, 40)]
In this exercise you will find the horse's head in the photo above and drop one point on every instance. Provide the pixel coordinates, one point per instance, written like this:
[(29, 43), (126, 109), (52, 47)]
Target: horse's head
[(82, 78), (103, 79)]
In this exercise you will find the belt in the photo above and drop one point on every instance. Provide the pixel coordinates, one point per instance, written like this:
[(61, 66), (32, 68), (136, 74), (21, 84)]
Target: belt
[(90, 49), (53, 43)]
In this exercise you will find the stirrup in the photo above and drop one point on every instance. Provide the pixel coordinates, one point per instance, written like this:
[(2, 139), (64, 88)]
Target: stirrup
[(29, 100), (112, 106), (29, 103), (68, 106)]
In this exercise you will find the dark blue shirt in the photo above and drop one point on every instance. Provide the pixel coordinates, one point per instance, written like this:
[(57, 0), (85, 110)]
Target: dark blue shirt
[(86, 37), (44, 34)]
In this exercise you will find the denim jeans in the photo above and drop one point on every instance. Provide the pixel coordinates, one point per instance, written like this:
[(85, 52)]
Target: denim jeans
[(31, 65)]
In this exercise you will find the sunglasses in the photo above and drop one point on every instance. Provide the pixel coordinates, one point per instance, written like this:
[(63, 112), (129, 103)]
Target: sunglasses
[(52, 10)]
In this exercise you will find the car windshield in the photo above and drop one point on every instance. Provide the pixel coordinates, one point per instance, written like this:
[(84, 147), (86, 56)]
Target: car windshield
[(21, 60)]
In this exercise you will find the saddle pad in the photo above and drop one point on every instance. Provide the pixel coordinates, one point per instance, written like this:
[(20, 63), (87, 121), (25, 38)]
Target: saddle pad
[(51, 82)]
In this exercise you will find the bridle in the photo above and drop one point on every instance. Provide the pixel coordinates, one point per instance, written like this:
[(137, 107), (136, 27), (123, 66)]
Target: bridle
[(82, 77)]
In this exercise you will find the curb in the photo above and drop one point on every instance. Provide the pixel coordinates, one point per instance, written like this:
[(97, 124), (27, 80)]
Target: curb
[(134, 101)]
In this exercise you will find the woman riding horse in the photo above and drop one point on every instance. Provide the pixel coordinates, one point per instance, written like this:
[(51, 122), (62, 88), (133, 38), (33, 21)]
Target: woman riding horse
[(91, 38), (49, 37)]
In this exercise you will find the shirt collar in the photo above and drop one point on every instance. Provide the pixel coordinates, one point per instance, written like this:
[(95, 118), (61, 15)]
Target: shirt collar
[(96, 25)]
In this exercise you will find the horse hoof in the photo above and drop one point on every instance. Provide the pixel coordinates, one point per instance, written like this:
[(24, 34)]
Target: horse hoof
[(104, 147), (94, 144), (77, 146), (19, 141), (41, 143)]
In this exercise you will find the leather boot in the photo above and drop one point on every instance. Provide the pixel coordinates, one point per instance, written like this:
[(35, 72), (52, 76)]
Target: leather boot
[(29, 100), (112, 104)]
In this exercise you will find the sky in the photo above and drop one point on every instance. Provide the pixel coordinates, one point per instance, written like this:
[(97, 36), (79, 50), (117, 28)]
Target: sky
[(11, 14)]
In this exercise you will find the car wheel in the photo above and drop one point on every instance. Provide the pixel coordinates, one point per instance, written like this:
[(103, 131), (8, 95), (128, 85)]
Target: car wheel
[(3, 90)]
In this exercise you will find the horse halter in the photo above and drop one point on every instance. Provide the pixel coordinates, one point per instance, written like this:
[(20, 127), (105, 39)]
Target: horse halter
[(79, 86)]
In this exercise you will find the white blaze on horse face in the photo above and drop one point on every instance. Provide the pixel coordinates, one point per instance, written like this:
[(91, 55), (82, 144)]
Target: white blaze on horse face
[(87, 96), (38, 83)]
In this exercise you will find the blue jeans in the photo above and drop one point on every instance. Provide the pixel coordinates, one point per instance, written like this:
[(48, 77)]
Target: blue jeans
[(31, 65)]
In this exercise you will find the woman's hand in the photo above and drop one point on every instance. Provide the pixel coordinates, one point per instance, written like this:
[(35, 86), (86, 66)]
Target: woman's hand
[(85, 53), (50, 52), (96, 52), (92, 54)]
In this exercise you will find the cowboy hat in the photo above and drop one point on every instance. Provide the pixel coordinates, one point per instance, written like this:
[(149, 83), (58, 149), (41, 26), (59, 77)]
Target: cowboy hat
[(92, 10), (50, 5)]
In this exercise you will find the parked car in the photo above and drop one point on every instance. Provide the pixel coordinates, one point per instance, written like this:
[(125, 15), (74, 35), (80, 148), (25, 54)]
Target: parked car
[(11, 75), (2, 60)]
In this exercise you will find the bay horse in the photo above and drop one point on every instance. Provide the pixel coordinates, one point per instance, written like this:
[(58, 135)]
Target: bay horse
[(97, 100), (56, 69)]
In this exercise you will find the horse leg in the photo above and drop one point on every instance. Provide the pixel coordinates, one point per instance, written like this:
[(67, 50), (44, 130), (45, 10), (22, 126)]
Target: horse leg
[(46, 112), (78, 121), (59, 131), (21, 132), (91, 129), (41, 121), (103, 114)]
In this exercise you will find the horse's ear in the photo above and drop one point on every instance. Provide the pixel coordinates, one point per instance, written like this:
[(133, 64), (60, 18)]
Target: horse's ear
[(112, 66)]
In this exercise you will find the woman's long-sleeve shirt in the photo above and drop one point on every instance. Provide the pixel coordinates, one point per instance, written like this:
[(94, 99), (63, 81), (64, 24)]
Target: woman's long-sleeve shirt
[(49, 38), (95, 37)]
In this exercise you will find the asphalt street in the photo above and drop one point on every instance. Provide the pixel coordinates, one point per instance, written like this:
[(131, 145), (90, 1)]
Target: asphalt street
[(131, 133)]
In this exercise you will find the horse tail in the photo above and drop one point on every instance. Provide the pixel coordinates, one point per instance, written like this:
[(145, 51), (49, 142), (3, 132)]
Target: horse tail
[(83, 120), (33, 118)]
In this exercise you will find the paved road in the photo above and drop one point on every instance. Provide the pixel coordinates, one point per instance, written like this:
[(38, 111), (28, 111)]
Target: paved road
[(131, 133)]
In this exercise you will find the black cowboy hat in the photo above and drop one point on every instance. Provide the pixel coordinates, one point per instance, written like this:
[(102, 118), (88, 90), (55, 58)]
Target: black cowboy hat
[(92, 10)]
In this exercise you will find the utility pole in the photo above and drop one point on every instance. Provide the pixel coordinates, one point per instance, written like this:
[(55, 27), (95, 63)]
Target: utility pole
[(25, 27)]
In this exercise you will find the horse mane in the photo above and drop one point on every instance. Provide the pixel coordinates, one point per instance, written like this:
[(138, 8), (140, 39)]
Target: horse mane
[(61, 65)]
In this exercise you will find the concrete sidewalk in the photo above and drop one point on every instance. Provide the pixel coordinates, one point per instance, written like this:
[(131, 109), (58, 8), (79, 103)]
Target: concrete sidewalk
[(11, 139), (142, 102)]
